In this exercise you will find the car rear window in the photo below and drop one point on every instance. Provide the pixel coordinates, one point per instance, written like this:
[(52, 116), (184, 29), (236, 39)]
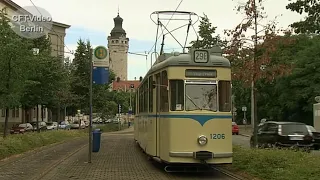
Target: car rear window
[(288, 129)]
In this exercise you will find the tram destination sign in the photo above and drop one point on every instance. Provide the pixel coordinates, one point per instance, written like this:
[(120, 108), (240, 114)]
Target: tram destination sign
[(201, 73)]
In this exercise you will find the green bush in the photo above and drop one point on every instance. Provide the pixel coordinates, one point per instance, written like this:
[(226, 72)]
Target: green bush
[(274, 164), (19, 143)]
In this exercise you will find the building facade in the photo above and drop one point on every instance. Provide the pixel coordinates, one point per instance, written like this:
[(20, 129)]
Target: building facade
[(118, 45), (56, 36)]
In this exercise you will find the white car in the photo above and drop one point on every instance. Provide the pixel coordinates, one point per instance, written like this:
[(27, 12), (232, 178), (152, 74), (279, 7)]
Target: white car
[(52, 125), (75, 125)]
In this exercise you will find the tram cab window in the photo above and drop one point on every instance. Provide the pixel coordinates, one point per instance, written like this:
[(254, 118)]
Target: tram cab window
[(201, 97), (224, 96), (164, 102), (176, 95)]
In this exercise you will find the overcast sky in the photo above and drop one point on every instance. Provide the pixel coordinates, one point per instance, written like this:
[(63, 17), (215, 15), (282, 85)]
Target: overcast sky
[(94, 20)]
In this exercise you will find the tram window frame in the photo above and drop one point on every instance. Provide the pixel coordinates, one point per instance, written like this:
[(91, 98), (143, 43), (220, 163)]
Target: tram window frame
[(164, 93), (176, 90), (150, 93), (224, 96)]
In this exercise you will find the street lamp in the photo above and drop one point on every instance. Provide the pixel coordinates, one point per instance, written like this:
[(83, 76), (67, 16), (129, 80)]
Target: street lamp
[(35, 52)]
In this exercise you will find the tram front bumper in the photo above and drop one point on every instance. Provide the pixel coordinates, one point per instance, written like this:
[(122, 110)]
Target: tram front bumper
[(201, 155)]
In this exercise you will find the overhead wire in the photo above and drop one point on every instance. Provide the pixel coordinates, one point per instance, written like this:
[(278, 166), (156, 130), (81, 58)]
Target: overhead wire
[(165, 27), (64, 45)]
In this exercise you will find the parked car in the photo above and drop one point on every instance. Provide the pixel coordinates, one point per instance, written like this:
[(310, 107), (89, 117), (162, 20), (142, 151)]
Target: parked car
[(75, 125), (235, 128), (316, 137), (52, 125), (64, 125), (21, 128), (42, 126), (283, 134)]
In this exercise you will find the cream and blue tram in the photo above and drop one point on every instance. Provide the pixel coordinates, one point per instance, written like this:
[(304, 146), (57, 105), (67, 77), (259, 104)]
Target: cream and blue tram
[(183, 109)]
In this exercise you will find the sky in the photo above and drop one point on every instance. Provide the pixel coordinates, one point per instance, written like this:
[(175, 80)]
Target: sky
[(93, 20)]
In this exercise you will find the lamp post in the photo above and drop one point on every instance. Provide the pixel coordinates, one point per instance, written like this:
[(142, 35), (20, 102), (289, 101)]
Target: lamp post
[(35, 52)]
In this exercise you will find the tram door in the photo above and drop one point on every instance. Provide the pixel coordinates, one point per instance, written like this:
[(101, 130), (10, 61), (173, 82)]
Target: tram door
[(158, 114)]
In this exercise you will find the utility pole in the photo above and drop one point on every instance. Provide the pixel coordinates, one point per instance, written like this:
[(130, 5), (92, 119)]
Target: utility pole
[(253, 89)]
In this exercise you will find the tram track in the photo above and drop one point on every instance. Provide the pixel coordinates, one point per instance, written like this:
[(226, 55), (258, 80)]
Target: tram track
[(228, 173)]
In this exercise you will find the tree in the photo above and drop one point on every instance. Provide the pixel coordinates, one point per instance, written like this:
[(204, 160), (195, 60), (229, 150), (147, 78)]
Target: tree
[(253, 52), (206, 33), (81, 75), (311, 24), (14, 67)]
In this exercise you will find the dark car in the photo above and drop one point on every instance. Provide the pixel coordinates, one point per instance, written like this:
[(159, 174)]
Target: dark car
[(21, 128), (283, 134), (316, 137)]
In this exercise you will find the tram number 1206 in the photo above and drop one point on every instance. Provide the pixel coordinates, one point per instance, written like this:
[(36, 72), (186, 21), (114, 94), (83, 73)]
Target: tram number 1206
[(217, 136)]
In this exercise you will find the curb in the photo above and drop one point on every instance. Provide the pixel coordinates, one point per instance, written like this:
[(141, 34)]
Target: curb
[(245, 135)]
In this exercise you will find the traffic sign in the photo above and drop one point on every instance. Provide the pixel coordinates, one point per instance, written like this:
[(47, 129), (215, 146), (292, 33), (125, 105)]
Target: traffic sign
[(100, 52), (244, 108), (100, 75)]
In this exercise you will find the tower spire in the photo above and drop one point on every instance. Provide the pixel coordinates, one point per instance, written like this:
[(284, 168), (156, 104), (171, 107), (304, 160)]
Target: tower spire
[(118, 10)]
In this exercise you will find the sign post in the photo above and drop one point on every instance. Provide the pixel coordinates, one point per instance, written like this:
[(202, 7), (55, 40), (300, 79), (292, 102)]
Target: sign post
[(99, 74), (119, 112), (244, 109)]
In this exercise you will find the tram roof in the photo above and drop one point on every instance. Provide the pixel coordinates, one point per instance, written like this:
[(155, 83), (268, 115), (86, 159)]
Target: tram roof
[(186, 60)]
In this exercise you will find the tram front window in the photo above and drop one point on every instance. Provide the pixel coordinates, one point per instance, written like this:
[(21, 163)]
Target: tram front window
[(201, 97)]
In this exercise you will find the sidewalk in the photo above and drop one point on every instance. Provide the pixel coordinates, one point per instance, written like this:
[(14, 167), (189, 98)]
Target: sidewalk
[(119, 159), (245, 130), (32, 164)]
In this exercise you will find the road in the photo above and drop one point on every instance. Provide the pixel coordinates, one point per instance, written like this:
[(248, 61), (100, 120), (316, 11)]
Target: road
[(118, 159), (244, 141)]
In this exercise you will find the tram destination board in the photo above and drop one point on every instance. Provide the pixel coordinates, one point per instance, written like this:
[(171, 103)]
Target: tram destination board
[(205, 73)]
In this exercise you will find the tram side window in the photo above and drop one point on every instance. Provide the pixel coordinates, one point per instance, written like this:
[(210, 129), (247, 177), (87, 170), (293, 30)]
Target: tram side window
[(224, 96), (164, 104), (137, 102), (150, 94), (177, 95), (140, 99), (145, 92)]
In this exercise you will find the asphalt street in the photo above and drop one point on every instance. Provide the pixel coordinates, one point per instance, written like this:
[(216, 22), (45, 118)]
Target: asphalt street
[(244, 141)]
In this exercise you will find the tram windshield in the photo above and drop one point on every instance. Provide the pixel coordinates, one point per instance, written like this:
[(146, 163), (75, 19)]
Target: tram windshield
[(201, 97)]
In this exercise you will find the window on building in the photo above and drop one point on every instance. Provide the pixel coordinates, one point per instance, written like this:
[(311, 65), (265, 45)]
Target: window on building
[(112, 41), (122, 42), (177, 95), (117, 41), (17, 112), (164, 105), (3, 112), (34, 113), (224, 96), (44, 112), (13, 113), (125, 42), (151, 94)]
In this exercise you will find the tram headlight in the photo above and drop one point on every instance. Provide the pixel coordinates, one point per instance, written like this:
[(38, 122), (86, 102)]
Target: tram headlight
[(202, 140)]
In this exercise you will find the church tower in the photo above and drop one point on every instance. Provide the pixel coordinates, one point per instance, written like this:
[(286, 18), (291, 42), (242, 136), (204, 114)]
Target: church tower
[(118, 45)]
